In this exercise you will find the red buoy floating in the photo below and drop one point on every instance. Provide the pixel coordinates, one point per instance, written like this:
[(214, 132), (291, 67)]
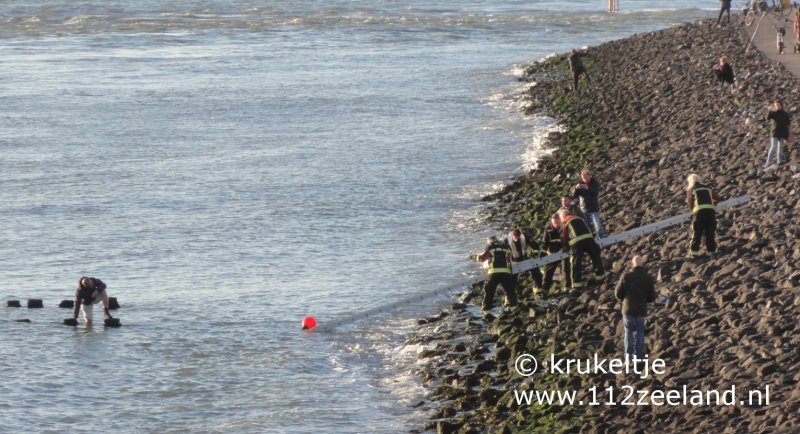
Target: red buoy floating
[(309, 323)]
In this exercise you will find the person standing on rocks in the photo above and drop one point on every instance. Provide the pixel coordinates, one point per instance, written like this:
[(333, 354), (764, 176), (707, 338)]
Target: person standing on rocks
[(89, 292), (577, 68), (498, 256), (724, 71), (521, 244), (569, 204), (781, 124), (551, 242), (576, 235), (635, 289), (589, 190), (701, 199), (724, 5)]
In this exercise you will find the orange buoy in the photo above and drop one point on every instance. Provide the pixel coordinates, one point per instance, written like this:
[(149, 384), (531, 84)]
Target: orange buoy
[(309, 323)]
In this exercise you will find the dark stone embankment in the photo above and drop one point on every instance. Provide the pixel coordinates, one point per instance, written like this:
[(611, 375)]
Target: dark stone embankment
[(652, 115)]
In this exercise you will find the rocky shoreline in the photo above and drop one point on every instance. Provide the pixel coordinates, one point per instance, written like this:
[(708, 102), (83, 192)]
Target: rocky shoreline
[(653, 114)]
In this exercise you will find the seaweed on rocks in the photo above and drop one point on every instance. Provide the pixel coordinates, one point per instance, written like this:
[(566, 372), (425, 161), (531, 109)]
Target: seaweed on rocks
[(652, 114)]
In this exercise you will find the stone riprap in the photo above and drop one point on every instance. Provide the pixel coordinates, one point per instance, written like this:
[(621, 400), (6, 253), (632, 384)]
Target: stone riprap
[(653, 114)]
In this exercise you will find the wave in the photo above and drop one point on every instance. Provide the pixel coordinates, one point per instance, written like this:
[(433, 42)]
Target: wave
[(265, 20)]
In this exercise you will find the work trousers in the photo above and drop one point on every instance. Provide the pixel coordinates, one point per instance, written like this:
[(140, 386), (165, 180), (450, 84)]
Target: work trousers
[(704, 223), (509, 284), (583, 247)]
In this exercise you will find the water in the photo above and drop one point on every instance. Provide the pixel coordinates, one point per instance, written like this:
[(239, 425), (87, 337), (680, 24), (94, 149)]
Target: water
[(228, 167)]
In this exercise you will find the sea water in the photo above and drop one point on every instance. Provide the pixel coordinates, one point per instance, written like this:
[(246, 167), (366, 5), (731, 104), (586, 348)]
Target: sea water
[(229, 167)]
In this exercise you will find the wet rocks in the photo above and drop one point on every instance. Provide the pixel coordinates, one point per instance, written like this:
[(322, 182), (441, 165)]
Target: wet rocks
[(653, 114)]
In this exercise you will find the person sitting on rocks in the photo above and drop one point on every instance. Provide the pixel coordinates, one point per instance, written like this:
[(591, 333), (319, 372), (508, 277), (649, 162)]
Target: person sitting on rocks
[(498, 257), (576, 235), (635, 289), (577, 68), (724, 71), (701, 199)]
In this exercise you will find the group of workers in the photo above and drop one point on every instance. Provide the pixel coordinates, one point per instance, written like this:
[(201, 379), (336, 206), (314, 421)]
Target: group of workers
[(576, 230)]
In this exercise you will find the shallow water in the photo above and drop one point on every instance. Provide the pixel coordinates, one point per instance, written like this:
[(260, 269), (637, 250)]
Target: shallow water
[(231, 167)]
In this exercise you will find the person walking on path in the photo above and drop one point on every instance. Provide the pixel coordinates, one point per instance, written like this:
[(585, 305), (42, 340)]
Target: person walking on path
[(589, 191), (724, 71), (498, 256), (635, 289), (781, 129), (577, 68), (89, 292), (724, 5), (575, 235), (701, 199)]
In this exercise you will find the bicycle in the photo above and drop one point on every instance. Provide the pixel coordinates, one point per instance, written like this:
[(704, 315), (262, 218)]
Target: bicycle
[(752, 9), (756, 8)]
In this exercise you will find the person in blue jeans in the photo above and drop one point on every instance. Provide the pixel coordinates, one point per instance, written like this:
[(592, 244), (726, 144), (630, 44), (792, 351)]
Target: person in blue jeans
[(781, 130), (588, 191), (635, 289)]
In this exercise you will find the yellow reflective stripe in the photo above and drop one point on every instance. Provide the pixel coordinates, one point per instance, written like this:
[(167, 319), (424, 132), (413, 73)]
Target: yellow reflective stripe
[(493, 270), (581, 238), (575, 238), (697, 205)]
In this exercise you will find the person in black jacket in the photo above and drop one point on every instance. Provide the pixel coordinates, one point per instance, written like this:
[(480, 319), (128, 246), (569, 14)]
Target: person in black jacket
[(635, 289), (701, 199), (89, 292), (498, 258), (551, 243), (781, 130), (724, 71), (577, 68), (577, 237), (724, 5), (589, 191)]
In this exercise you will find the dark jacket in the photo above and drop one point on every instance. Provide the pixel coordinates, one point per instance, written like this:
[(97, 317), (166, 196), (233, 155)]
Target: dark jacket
[(725, 73), (579, 226), (690, 195), (499, 256), (635, 289), (780, 123), (84, 295), (551, 239), (575, 63), (589, 202)]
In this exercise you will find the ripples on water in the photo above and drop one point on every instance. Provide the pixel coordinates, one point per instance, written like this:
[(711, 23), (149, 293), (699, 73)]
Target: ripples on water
[(231, 168)]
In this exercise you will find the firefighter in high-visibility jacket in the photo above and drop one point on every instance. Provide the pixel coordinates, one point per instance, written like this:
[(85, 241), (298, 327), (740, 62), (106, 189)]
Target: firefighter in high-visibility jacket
[(575, 234), (551, 242), (701, 199), (498, 256)]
